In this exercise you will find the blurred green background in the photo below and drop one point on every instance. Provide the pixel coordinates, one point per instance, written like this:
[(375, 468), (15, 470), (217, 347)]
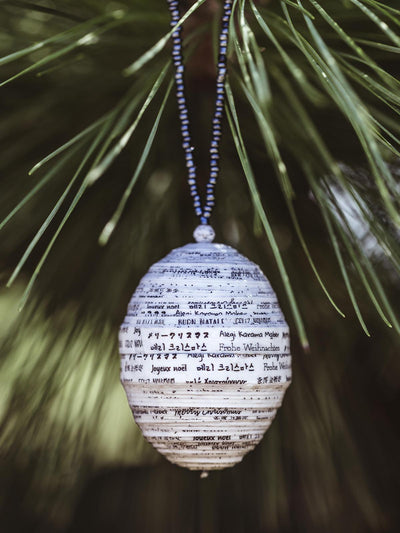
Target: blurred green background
[(316, 91)]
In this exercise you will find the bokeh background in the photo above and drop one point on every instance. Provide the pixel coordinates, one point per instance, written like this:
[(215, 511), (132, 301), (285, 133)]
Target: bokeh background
[(71, 457)]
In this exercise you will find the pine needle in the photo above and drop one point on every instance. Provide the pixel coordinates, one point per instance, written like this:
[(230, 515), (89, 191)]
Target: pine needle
[(112, 223), (238, 139)]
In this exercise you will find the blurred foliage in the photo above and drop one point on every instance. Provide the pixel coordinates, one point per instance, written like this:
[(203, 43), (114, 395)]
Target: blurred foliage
[(309, 190)]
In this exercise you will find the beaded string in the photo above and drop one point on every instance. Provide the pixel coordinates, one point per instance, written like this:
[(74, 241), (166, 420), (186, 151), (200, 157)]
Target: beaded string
[(203, 212)]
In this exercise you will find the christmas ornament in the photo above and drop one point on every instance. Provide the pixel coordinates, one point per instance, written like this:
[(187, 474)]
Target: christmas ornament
[(205, 355)]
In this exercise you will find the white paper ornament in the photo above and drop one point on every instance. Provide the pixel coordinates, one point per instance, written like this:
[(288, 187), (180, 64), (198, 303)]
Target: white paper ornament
[(205, 355)]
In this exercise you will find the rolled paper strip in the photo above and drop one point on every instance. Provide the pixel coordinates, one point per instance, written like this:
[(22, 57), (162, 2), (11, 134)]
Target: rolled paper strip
[(205, 356)]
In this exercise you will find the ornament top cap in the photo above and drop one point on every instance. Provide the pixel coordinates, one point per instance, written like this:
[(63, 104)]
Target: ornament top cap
[(204, 233)]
